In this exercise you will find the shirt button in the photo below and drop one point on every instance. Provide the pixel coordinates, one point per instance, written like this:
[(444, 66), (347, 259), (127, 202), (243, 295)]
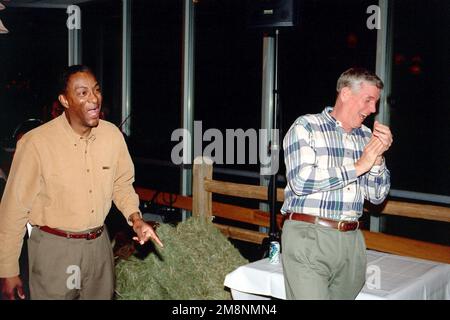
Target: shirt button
[(74, 144), (92, 211), (90, 191), (88, 170)]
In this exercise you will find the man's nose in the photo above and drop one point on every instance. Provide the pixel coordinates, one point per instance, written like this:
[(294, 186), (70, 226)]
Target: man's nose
[(94, 98)]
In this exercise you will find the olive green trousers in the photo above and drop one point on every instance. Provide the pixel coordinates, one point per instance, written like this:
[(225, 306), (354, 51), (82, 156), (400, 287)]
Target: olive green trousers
[(61, 268), (321, 262)]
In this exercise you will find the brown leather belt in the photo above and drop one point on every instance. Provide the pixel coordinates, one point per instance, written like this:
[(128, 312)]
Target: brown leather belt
[(339, 225), (88, 236)]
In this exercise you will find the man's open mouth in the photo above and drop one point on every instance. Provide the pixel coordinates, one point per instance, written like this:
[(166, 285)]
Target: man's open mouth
[(95, 112)]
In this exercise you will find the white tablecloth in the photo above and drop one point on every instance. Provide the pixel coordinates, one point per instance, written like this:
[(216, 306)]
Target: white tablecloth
[(388, 277)]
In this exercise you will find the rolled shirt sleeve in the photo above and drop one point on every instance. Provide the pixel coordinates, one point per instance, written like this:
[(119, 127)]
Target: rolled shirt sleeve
[(377, 183)]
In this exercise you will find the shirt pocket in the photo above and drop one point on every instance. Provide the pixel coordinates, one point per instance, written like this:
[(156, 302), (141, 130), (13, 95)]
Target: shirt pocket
[(107, 180)]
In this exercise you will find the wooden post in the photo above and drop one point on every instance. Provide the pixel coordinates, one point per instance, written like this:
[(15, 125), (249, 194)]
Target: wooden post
[(202, 199)]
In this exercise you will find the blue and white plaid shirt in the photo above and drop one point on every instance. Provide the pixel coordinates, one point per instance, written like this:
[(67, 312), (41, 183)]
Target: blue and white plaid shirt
[(320, 169)]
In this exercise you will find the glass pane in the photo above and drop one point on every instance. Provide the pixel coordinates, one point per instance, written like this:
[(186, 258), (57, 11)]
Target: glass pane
[(102, 51), (420, 113), (227, 72), (156, 88), (331, 37), (32, 55)]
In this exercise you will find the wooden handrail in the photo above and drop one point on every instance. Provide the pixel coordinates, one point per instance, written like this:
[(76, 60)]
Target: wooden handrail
[(222, 210), (242, 234), (412, 210), (246, 215), (240, 190), (261, 218), (180, 202), (407, 247), (390, 207)]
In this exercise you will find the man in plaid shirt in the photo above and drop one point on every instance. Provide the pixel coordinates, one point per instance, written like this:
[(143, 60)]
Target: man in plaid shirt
[(333, 162)]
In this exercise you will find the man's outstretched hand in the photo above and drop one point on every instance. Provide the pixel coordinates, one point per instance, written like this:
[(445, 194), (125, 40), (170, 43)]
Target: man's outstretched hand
[(144, 231)]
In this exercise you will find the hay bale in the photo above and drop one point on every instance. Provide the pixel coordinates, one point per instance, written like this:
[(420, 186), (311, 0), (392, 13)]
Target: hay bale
[(192, 265)]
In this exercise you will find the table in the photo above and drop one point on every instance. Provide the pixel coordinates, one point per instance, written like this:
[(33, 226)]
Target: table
[(389, 277)]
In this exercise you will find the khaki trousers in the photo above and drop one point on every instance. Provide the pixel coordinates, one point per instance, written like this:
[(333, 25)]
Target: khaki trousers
[(321, 262), (61, 268)]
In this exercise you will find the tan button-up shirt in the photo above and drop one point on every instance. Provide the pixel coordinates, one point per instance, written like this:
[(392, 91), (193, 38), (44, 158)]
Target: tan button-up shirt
[(62, 180)]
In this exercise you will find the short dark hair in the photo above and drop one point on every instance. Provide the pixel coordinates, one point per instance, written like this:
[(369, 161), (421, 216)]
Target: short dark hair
[(68, 72), (355, 76)]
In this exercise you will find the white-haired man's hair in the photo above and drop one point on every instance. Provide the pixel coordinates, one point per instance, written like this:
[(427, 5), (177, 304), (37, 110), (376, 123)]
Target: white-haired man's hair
[(353, 78)]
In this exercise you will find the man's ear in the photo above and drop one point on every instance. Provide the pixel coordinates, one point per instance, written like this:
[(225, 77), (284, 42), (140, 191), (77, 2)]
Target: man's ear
[(62, 99)]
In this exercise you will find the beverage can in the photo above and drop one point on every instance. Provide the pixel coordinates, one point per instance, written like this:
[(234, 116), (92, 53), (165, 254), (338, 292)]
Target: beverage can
[(274, 252)]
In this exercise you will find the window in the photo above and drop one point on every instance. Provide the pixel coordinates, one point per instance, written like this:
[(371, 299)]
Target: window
[(420, 112), (102, 51), (32, 55), (156, 88)]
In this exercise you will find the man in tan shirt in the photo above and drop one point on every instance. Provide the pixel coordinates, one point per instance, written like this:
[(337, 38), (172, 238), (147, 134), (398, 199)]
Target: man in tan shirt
[(63, 178)]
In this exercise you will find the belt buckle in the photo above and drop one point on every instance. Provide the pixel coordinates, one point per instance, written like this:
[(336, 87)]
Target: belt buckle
[(343, 223), (91, 235)]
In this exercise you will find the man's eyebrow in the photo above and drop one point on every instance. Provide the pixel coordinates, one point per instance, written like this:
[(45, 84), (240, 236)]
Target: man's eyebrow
[(85, 87)]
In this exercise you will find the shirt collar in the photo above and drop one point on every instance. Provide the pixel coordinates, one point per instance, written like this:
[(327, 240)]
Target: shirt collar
[(75, 137), (336, 123)]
